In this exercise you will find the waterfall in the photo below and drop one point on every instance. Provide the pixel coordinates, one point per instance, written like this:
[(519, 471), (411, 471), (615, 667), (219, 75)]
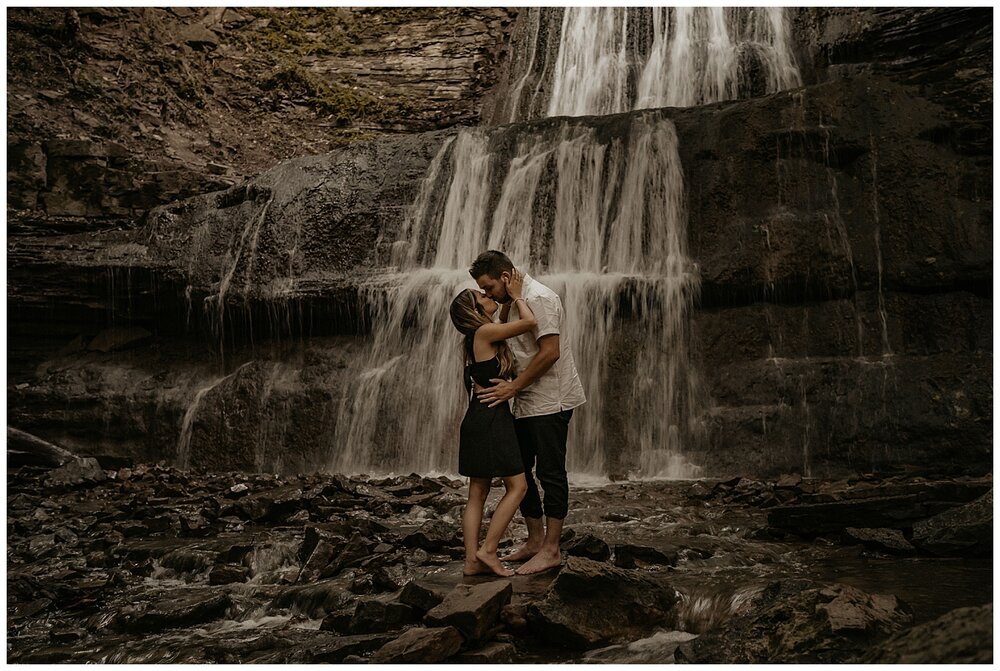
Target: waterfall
[(597, 217), (605, 60)]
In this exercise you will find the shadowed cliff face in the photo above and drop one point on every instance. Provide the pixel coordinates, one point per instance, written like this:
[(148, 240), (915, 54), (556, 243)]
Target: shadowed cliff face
[(842, 233)]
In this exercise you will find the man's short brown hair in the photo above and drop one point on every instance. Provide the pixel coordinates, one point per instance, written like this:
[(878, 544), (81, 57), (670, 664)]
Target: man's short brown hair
[(491, 263)]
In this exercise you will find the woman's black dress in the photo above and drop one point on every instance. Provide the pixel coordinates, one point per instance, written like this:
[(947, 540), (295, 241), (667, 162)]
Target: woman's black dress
[(488, 446)]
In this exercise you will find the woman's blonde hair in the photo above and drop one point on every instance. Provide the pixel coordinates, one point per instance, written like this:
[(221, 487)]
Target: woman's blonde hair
[(467, 317)]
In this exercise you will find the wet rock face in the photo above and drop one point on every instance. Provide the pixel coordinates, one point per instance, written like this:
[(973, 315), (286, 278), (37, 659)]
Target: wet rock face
[(830, 624), (842, 232), (958, 637), (962, 531), (592, 603)]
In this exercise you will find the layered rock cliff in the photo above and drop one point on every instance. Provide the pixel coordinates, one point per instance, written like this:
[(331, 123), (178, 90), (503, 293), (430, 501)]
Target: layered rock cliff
[(842, 231)]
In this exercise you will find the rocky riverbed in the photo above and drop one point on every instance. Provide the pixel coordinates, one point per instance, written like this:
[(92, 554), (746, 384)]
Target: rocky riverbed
[(136, 563)]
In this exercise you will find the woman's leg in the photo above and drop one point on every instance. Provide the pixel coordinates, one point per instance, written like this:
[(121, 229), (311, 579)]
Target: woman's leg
[(472, 520), (515, 486)]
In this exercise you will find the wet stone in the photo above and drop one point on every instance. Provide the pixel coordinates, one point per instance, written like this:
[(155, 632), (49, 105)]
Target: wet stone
[(961, 636), (168, 613), (313, 600), (641, 556), (472, 609), (963, 531), (591, 603), (492, 653), (589, 546), (228, 573), (420, 596), (420, 644), (374, 616), (885, 540), (86, 471)]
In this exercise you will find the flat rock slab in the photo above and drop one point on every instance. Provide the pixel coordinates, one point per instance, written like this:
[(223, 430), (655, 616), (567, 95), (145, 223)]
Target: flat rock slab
[(420, 644), (472, 609), (592, 603), (173, 612), (492, 653), (886, 540), (898, 512)]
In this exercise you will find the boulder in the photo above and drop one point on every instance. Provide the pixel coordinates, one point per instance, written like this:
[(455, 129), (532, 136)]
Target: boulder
[(474, 610), (592, 603), (77, 472), (434, 536), (795, 623), (963, 531), (420, 644), (589, 546), (641, 556), (961, 636), (420, 596), (374, 616)]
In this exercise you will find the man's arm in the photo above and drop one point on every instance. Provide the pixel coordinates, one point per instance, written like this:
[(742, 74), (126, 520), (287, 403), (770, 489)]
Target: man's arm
[(548, 354)]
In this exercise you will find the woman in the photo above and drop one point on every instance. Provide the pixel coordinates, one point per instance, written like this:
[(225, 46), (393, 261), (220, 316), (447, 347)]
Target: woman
[(488, 446)]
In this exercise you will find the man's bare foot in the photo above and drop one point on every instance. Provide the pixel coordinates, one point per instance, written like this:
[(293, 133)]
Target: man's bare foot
[(524, 553), (542, 561), (493, 562), (475, 567)]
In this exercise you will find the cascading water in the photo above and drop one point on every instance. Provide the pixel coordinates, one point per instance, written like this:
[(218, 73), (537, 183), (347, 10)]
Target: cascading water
[(605, 60), (599, 219)]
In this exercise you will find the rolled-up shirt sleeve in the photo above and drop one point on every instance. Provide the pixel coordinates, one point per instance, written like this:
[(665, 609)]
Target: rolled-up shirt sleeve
[(548, 314)]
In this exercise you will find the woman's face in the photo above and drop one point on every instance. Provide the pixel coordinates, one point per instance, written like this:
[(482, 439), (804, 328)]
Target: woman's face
[(486, 304)]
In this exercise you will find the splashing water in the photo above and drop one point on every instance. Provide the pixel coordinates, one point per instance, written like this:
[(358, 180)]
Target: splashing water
[(600, 220)]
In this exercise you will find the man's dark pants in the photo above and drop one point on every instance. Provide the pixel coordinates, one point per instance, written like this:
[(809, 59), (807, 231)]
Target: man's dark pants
[(543, 450)]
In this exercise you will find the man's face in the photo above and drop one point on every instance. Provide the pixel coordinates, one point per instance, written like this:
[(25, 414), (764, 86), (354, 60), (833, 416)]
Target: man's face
[(495, 288)]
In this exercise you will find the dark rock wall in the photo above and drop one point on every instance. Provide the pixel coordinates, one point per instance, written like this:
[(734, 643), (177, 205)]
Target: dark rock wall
[(843, 233)]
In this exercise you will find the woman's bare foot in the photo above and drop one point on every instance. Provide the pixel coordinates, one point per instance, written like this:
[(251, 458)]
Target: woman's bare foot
[(491, 560), (542, 561), (524, 553), (475, 567)]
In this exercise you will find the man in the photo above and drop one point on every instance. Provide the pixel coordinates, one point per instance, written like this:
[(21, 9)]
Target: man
[(545, 391)]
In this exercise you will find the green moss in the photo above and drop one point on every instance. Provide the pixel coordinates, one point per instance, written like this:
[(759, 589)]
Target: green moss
[(340, 103)]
